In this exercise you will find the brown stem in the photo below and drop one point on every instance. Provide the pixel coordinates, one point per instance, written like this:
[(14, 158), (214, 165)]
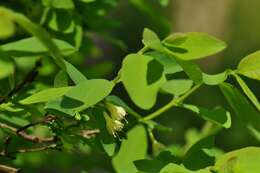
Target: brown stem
[(8, 169), (26, 136)]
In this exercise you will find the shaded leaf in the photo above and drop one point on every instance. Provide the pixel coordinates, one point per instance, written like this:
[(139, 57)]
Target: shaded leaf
[(170, 64), (196, 157), (192, 70), (248, 92), (243, 109), (217, 116)]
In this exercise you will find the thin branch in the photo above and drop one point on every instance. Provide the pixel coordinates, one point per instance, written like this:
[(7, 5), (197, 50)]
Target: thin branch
[(26, 136), (29, 78), (8, 169), (89, 133), (47, 119), (42, 148), (174, 102)]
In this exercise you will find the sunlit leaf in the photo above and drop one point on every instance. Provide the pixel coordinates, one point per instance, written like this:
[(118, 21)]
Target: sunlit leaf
[(46, 95), (134, 77), (250, 66), (136, 141)]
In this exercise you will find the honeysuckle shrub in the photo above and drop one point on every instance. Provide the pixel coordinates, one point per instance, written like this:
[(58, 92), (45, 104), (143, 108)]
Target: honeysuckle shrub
[(75, 113)]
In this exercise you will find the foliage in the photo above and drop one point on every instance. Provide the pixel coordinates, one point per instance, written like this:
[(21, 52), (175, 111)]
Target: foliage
[(78, 113)]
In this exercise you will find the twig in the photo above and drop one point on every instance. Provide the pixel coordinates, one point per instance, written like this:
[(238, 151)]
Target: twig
[(89, 133), (26, 136), (29, 78), (42, 148), (174, 102), (8, 169), (47, 119)]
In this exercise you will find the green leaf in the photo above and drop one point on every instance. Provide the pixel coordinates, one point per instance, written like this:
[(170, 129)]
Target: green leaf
[(61, 21), (215, 79), (136, 143), (250, 66), (61, 79), (16, 120), (82, 96), (61, 4), (170, 64), (243, 109), (134, 77), (38, 32), (156, 164), (239, 161), (192, 70), (23, 47), (174, 168), (76, 76), (196, 157), (217, 116), (109, 148), (7, 26), (177, 87), (247, 91), (197, 46), (6, 68), (151, 40), (46, 95)]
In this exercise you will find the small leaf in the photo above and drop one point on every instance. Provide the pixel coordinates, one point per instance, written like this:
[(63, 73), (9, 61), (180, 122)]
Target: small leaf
[(154, 71), (217, 116), (135, 142), (6, 67), (151, 40), (61, 4), (174, 168), (61, 21), (76, 76), (61, 79), (7, 26), (239, 161), (46, 95), (243, 109), (250, 66), (215, 79), (23, 47), (134, 77), (177, 87), (198, 45)]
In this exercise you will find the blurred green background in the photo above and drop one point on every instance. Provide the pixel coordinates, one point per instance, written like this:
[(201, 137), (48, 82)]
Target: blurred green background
[(234, 21)]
